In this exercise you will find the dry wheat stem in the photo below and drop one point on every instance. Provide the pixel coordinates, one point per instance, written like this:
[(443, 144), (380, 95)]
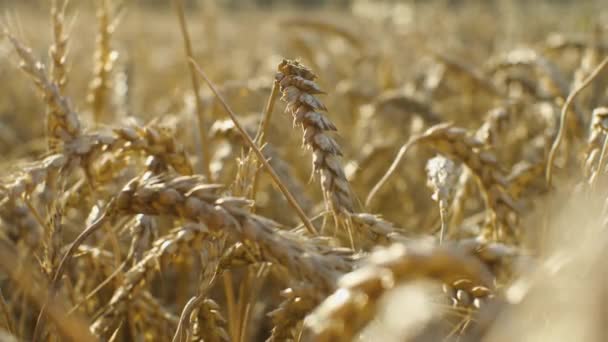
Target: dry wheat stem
[(268, 110), (402, 151), (288, 196), (200, 112), (262, 131), (564, 116)]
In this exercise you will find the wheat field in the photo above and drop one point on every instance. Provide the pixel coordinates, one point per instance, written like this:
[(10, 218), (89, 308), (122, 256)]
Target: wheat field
[(354, 170)]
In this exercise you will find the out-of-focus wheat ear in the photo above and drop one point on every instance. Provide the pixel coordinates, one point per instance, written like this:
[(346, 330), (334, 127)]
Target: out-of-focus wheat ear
[(525, 177), (564, 116), (351, 307), (53, 237), (64, 124), (373, 230), (200, 111), (24, 275), (207, 323), (104, 59), (297, 303), (595, 142), (9, 322), (210, 258), (155, 140), (28, 223), (58, 53), (490, 133), (59, 48), (481, 81)]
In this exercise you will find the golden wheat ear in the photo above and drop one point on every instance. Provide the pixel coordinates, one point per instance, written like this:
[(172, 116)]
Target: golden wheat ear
[(299, 91)]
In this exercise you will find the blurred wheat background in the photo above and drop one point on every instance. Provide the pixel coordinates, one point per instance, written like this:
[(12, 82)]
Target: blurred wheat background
[(349, 170)]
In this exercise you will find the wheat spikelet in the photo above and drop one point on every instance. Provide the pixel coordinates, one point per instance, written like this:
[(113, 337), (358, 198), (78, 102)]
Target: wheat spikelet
[(35, 174)]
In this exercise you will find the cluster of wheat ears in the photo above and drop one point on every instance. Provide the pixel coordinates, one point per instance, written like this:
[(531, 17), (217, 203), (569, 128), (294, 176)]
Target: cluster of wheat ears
[(464, 203)]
